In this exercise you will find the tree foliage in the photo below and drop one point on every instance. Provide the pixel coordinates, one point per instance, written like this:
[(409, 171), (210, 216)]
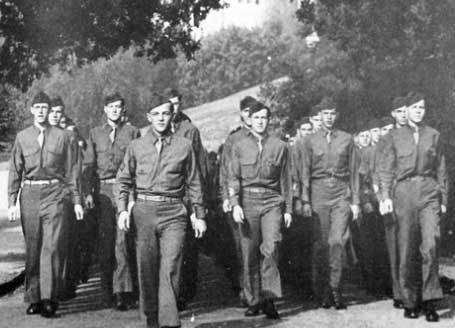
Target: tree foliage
[(37, 34)]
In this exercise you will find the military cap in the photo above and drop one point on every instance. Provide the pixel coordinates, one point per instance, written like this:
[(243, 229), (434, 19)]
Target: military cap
[(41, 98), (112, 98), (414, 97), (57, 102), (172, 93), (247, 102), (373, 124), (387, 120), (326, 103), (314, 111), (398, 102), (158, 100), (258, 106), (304, 120)]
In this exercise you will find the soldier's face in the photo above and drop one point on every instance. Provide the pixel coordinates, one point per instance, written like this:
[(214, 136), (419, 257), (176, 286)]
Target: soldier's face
[(55, 115), (305, 129), (245, 116), (260, 121), (416, 112), (176, 102), (375, 134), (40, 112), (114, 110), (160, 117), (328, 117), (316, 121), (364, 138), (386, 129), (400, 115)]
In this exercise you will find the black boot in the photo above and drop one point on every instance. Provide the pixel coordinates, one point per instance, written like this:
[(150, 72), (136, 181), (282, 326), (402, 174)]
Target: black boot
[(269, 310), (34, 308), (253, 311), (429, 309), (338, 300)]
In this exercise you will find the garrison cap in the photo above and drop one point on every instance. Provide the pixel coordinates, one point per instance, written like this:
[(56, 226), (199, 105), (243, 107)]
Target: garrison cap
[(304, 120), (113, 98), (258, 106), (314, 111), (158, 100), (172, 93), (414, 97), (326, 103), (247, 102), (387, 120), (41, 98), (399, 102), (57, 102), (373, 124)]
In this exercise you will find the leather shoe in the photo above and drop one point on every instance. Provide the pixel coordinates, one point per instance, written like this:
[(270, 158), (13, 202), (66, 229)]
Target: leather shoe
[(48, 309), (398, 304), (268, 308), (338, 300), (411, 313), (252, 311), (431, 316), (120, 302), (34, 308)]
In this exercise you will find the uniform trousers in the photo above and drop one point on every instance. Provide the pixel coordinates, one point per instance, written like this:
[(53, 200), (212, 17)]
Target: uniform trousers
[(331, 217), (417, 207), (390, 229), (114, 247), (44, 224), (260, 236), (160, 237), (71, 261)]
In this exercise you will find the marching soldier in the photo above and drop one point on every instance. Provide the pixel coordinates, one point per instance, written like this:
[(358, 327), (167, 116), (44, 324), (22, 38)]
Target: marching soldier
[(260, 193), (235, 135), (162, 168), (413, 157), (315, 118), (304, 128), (106, 148), (330, 191), (43, 158)]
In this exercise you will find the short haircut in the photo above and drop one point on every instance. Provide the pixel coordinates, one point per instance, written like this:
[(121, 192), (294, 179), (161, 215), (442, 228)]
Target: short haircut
[(414, 97), (258, 106), (57, 102), (247, 102), (374, 124), (113, 98), (41, 98), (172, 93)]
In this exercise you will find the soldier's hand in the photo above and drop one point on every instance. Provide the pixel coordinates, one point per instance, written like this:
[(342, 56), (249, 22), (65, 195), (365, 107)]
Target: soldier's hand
[(355, 212), (123, 221), (443, 209), (298, 206), (79, 211), (387, 206), (307, 210), (12, 213), (199, 227), (375, 188), (89, 203), (287, 220), (227, 206), (130, 207), (237, 214)]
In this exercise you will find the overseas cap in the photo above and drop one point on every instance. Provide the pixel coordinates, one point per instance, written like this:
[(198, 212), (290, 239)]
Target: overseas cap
[(247, 102), (158, 100), (399, 102), (112, 98), (373, 124), (41, 98), (387, 120), (172, 93), (414, 97), (57, 101), (258, 106)]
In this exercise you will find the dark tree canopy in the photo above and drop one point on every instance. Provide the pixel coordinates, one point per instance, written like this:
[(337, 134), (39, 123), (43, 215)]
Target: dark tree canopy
[(36, 34)]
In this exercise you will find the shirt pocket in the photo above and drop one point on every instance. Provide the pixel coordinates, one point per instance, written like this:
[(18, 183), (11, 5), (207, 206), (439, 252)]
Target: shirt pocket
[(405, 156), (248, 167), (55, 154), (272, 169), (31, 156)]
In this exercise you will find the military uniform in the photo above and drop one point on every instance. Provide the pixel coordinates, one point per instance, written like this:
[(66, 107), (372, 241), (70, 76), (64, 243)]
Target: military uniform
[(101, 162), (161, 179), (49, 173), (421, 186), (330, 181), (260, 182)]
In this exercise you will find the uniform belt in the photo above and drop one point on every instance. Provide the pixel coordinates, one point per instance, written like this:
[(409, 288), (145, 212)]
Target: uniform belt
[(257, 190), (107, 181), (157, 198), (40, 182)]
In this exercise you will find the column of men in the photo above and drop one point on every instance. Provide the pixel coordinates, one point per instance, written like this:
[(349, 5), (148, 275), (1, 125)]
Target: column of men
[(150, 191)]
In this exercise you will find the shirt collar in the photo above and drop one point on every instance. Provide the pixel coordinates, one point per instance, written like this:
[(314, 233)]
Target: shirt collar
[(154, 137), (110, 126)]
